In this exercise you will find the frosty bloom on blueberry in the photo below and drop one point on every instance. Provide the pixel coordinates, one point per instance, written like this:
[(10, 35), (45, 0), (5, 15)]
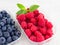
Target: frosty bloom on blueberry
[(34, 23), (8, 30)]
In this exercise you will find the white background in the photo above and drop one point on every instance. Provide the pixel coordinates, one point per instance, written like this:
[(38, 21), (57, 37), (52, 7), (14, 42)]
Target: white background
[(51, 9)]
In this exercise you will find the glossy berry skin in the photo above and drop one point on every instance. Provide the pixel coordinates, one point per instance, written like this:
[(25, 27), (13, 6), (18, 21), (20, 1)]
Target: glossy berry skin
[(0, 33), (29, 25)]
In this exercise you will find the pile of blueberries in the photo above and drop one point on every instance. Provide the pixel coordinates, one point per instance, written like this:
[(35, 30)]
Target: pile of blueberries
[(8, 30)]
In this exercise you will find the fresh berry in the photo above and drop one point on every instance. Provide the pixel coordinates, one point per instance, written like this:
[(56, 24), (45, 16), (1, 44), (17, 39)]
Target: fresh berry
[(2, 40), (49, 25), (4, 28), (33, 38), (30, 15), (0, 33), (2, 23), (24, 24), (29, 25), (28, 32), (21, 17), (43, 30), (33, 20), (47, 36), (34, 28)]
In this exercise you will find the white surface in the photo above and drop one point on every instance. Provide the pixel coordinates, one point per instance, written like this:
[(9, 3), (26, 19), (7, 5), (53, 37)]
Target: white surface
[(50, 8)]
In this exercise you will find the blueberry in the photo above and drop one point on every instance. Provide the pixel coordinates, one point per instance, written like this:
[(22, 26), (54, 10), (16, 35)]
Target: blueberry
[(6, 34), (0, 33), (13, 27), (12, 33), (2, 40), (9, 29), (7, 15), (0, 15), (9, 39), (17, 33), (4, 28), (12, 22), (8, 20), (14, 38), (4, 20), (2, 24)]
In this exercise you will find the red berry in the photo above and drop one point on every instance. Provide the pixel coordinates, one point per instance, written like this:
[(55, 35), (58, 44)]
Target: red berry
[(29, 25), (30, 15), (41, 38), (24, 24), (49, 25), (28, 32), (47, 36), (34, 28), (21, 17), (40, 16), (33, 20), (41, 22), (43, 30), (50, 32), (36, 12), (33, 38)]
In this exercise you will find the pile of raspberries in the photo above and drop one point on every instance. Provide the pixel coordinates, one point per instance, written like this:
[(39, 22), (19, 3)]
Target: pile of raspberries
[(35, 25)]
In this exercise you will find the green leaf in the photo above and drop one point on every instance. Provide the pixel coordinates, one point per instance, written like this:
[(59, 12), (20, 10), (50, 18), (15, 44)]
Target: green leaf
[(21, 12), (33, 7), (22, 7)]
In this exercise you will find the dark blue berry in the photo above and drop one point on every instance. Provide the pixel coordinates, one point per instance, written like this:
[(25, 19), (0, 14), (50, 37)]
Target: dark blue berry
[(0, 33), (9, 29), (1, 16), (7, 15), (12, 33), (2, 40), (12, 22), (8, 20), (14, 38), (4, 20), (4, 28), (6, 34), (9, 39), (2, 24)]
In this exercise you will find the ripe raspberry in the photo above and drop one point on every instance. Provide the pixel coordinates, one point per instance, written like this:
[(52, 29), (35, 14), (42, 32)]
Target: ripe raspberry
[(33, 20), (50, 32), (33, 38), (34, 28), (40, 16), (30, 15), (24, 24), (49, 25), (21, 17), (36, 12), (41, 38), (47, 36), (28, 32), (29, 25), (43, 30), (41, 22)]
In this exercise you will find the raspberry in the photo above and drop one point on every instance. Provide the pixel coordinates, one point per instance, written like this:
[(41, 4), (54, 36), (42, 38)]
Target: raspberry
[(41, 38), (37, 33), (36, 12), (41, 22), (33, 38), (29, 25), (33, 20), (49, 25), (28, 32), (30, 15), (47, 36), (34, 28), (40, 16), (21, 17), (50, 32), (43, 30), (24, 25)]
